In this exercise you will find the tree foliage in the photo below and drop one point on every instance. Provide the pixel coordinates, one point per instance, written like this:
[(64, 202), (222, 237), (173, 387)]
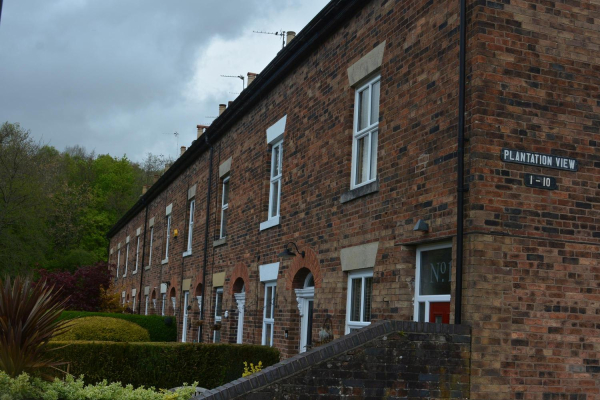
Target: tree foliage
[(56, 207)]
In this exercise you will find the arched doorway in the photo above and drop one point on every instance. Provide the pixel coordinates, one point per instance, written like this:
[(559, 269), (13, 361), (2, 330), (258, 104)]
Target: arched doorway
[(198, 294), (239, 293), (304, 283)]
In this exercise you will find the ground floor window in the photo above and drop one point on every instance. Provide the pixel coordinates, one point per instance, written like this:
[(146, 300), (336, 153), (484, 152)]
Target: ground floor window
[(218, 315), (433, 283), (164, 304), (360, 295), (269, 313)]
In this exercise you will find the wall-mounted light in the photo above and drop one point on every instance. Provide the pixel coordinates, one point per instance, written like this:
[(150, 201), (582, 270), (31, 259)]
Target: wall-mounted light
[(175, 233), (288, 252), (421, 226)]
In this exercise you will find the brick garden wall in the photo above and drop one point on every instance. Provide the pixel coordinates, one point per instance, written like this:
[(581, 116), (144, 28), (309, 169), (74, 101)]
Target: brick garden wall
[(390, 359)]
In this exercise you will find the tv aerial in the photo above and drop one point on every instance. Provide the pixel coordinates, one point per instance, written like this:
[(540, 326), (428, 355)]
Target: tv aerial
[(280, 33), (236, 76)]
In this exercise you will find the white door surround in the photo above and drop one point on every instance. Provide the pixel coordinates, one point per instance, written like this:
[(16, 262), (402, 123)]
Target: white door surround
[(305, 298), (240, 299)]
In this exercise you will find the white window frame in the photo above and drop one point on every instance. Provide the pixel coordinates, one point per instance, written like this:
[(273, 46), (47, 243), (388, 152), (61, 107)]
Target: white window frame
[(118, 260), (190, 228), (184, 328), (224, 208), (269, 320), (361, 274), (218, 317), (164, 303), (275, 179), (134, 297), (372, 127), (137, 255), (166, 259), (126, 259), (440, 298), (150, 251), (146, 306)]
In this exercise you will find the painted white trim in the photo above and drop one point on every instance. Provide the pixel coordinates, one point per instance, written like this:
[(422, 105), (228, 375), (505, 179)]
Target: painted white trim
[(269, 223), (268, 272), (240, 299), (184, 328), (269, 320), (428, 298), (303, 296), (368, 273), (367, 132), (275, 131), (169, 209)]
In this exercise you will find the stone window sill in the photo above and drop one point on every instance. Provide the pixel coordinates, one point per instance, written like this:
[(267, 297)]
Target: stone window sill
[(360, 191), (165, 261), (187, 253), (220, 242), (269, 223)]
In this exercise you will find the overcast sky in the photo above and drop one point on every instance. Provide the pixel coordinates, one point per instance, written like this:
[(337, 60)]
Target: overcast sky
[(121, 76)]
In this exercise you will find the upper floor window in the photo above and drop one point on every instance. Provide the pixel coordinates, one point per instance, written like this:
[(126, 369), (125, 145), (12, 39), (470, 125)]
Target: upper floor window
[(137, 254), (167, 237), (275, 193), (360, 295), (126, 258), (150, 250), (224, 208), (365, 137), (190, 227)]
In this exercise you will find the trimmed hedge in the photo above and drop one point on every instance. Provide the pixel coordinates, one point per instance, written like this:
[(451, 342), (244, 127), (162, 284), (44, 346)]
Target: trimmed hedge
[(104, 329), (161, 329), (162, 365)]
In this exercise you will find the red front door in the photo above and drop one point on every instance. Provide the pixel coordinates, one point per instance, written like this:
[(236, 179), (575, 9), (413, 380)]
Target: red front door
[(439, 313)]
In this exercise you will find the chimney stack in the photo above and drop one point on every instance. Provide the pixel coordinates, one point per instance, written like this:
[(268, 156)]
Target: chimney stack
[(251, 77), (222, 108), (156, 176), (289, 37), (145, 189), (201, 129), (183, 148)]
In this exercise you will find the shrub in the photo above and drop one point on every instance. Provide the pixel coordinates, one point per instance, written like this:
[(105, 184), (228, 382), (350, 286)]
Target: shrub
[(25, 387), (82, 288), (161, 329), (29, 317), (162, 365), (104, 329)]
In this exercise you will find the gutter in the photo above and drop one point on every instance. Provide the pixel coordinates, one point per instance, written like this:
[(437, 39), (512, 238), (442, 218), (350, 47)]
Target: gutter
[(460, 184), (317, 30)]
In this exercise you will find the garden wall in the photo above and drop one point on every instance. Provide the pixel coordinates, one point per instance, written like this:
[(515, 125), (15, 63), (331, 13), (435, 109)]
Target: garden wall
[(387, 359)]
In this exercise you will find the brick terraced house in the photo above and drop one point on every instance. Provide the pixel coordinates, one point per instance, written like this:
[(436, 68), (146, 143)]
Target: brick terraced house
[(359, 172)]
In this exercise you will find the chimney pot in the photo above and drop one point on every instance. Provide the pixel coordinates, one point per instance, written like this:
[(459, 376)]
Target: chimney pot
[(289, 37), (251, 77), (201, 129), (156, 176), (222, 108), (145, 189), (183, 148)]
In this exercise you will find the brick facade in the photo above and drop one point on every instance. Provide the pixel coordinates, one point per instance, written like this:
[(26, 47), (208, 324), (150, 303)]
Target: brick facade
[(531, 279)]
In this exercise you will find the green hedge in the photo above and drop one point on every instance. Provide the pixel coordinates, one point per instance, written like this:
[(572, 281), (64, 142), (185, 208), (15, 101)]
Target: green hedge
[(161, 329), (162, 365), (104, 329)]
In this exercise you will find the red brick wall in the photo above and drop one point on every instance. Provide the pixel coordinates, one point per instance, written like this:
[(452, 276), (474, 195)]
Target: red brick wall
[(531, 275)]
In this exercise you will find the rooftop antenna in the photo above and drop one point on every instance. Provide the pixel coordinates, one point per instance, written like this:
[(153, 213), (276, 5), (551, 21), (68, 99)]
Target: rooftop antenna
[(236, 76), (280, 33)]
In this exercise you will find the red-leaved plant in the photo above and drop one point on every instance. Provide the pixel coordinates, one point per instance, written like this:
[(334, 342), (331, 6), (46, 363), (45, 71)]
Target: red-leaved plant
[(29, 318)]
